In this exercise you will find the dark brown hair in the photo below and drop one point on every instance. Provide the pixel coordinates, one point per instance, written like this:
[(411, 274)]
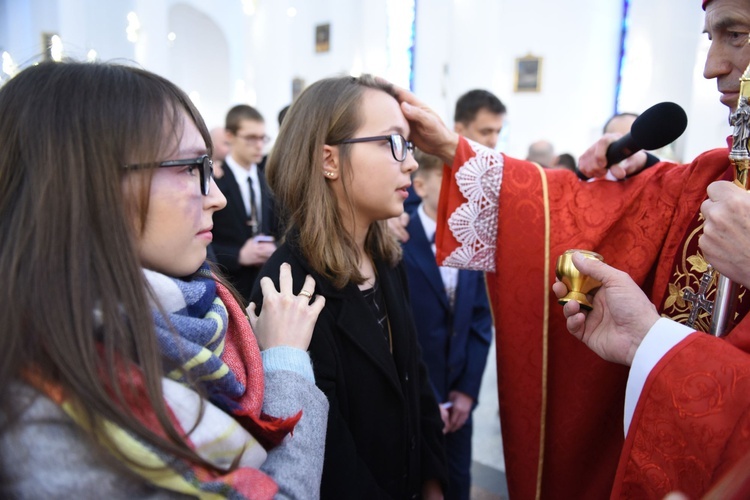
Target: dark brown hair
[(74, 298), (240, 113), (469, 104), (327, 112)]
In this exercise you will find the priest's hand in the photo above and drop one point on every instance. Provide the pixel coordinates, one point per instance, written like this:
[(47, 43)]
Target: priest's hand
[(593, 162), (621, 317), (726, 233), (428, 132)]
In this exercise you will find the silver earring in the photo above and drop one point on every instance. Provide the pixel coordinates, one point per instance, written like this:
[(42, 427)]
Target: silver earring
[(330, 174)]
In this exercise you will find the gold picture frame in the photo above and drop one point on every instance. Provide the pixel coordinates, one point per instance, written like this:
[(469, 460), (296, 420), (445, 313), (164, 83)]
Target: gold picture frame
[(323, 38), (528, 74)]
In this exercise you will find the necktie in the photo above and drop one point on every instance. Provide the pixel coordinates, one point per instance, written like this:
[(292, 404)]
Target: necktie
[(449, 278), (252, 219)]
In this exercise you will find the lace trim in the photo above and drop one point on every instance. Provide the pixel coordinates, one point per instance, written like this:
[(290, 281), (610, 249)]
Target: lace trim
[(474, 223)]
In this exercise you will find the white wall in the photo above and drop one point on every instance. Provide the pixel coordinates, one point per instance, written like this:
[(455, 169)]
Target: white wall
[(227, 56)]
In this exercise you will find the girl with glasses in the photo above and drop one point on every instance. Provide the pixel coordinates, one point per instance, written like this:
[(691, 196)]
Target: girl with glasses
[(128, 368), (341, 168)]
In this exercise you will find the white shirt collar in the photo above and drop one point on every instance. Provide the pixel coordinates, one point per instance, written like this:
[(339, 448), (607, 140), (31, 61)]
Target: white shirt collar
[(429, 225), (240, 173)]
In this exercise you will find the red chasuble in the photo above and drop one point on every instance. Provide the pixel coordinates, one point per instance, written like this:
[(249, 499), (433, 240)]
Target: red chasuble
[(561, 405), (692, 422)]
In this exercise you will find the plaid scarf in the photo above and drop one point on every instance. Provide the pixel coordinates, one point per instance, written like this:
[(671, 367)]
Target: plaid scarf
[(205, 337), (192, 335)]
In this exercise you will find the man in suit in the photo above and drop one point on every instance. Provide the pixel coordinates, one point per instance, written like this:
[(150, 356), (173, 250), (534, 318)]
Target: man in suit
[(454, 326), (244, 232)]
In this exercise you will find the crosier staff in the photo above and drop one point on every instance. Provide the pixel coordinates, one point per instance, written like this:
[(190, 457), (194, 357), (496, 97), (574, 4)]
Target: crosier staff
[(726, 289)]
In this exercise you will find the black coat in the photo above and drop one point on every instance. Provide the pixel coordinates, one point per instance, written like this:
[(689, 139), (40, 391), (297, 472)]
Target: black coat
[(231, 231), (384, 435)]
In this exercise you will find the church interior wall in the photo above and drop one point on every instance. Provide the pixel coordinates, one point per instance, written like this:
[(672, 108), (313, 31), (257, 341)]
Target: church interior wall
[(250, 51)]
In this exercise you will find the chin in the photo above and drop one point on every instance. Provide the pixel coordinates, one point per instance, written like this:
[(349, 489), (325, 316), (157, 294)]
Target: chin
[(396, 212), (194, 264)]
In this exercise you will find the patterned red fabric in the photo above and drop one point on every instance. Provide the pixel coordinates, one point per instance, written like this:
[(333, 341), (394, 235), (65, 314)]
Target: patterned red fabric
[(551, 385), (692, 425)]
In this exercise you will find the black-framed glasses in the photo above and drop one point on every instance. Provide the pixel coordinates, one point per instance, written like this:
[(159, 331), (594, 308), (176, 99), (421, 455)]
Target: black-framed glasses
[(204, 162), (399, 145)]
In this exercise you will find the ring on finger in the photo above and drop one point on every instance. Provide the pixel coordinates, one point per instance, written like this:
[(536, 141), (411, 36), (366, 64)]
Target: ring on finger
[(305, 293)]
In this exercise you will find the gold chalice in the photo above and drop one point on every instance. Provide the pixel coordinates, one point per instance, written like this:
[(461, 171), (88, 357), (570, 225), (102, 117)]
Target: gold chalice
[(578, 284)]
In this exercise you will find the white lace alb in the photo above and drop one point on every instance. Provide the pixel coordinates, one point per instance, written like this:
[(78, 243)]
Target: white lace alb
[(474, 223)]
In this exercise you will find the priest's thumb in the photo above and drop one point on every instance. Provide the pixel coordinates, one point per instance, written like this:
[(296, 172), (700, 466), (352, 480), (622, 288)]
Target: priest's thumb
[(592, 267)]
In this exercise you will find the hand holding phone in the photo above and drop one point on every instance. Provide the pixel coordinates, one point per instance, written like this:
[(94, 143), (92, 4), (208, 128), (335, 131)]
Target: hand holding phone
[(264, 238)]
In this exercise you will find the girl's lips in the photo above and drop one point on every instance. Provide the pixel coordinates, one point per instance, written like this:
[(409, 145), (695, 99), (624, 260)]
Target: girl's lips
[(206, 233)]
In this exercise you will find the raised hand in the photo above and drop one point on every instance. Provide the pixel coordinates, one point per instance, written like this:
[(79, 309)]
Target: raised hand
[(593, 162), (286, 319), (428, 132)]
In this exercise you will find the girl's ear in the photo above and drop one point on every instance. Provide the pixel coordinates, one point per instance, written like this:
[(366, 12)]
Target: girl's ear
[(331, 162)]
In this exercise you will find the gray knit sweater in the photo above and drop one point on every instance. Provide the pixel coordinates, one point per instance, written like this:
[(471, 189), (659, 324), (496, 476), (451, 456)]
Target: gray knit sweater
[(44, 454)]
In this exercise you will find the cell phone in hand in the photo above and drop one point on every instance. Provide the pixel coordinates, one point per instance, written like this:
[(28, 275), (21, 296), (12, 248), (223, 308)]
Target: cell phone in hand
[(264, 238)]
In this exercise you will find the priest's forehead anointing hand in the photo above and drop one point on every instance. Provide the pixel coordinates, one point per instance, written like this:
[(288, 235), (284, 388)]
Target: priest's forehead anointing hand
[(428, 132)]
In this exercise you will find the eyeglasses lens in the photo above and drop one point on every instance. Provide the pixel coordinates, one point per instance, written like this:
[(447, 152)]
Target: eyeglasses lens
[(207, 173), (398, 147)]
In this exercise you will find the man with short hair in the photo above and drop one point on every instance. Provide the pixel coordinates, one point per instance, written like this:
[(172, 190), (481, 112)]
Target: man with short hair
[(541, 152), (479, 116), (244, 232), (562, 406), (619, 123)]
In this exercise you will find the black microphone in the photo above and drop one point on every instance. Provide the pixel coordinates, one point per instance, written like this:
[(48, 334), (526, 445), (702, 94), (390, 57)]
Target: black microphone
[(656, 127)]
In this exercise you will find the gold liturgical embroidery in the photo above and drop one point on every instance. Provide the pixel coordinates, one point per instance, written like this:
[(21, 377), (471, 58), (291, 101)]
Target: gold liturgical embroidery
[(692, 283)]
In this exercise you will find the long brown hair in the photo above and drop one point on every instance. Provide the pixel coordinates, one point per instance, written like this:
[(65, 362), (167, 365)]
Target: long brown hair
[(74, 298), (327, 112)]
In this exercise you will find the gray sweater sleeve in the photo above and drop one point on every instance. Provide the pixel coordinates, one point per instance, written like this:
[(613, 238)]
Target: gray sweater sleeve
[(44, 454), (297, 463)]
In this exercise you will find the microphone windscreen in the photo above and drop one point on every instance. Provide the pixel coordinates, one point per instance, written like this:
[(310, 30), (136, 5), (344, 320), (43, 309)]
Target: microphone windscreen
[(659, 125)]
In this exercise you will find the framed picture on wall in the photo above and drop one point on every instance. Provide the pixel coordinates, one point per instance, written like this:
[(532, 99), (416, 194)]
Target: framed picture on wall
[(528, 74), (323, 37)]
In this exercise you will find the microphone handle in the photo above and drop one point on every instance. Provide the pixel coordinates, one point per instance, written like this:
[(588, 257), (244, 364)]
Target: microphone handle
[(651, 160), (622, 148)]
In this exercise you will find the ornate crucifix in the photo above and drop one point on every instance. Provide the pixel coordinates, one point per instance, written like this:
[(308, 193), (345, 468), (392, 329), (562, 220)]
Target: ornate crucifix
[(698, 301)]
